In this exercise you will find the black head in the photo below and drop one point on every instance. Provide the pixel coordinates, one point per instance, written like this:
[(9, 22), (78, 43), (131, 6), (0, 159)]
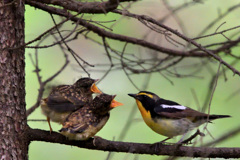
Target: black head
[(145, 95), (86, 85), (147, 99), (103, 103)]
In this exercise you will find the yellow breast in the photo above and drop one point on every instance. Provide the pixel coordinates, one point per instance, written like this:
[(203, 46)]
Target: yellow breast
[(163, 126), (146, 116)]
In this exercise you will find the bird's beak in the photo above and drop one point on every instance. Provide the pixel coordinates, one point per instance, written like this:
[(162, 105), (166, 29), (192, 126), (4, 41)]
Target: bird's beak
[(115, 103), (95, 89), (133, 95)]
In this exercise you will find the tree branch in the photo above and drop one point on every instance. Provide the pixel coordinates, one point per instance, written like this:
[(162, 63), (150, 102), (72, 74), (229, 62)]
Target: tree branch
[(225, 136), (42, 84), (103, 33), (137, 148), (85, 7), (153, 21)]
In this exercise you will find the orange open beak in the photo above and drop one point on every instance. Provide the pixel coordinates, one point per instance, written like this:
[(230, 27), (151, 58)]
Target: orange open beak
[(115, 103), (95, 89)]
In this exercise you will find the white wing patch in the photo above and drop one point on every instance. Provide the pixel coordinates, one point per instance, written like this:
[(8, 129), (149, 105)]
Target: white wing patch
[(174, 106)]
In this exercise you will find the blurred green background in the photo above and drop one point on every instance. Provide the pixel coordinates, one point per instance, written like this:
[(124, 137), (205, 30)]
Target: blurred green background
[(225, 101)]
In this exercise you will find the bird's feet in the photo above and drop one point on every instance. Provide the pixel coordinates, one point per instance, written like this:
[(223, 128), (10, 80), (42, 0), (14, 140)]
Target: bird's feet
[(188, 141), (50, 127), (158, 145), (95, 139)]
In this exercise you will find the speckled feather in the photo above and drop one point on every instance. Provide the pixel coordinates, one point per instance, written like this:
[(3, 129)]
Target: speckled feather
[(65, 99), (88, 120)]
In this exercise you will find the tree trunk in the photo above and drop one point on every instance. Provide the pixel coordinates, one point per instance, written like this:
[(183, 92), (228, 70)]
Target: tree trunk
[(13, 144)]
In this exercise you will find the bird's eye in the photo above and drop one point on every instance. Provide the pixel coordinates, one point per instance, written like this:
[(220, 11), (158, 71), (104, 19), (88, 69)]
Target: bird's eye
[(145, 96), (142, 97)]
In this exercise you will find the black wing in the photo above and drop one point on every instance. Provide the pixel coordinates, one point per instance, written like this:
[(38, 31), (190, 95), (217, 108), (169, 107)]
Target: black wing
[(64, 104), (164, 105), (171, 109), (64, 99), (64, 107)]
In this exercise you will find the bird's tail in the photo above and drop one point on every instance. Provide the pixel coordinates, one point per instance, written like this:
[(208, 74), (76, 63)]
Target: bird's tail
[(212, 117)]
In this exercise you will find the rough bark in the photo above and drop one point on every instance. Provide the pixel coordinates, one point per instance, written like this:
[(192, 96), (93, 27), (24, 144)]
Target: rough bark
[(13, 145)]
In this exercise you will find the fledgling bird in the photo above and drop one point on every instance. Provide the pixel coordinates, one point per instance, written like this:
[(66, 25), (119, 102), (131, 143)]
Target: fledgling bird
[(88, 120), (169, 118), (65, 99)]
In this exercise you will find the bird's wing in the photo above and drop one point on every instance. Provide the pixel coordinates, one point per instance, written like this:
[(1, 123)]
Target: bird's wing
[(60, 103), (79, 128), (173, 110), (64, 107), (77, 99), (75, 122), (58, 95), (64, 99)]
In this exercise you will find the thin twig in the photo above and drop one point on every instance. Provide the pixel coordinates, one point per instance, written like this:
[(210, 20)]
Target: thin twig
[(186, 141), (227, 135)]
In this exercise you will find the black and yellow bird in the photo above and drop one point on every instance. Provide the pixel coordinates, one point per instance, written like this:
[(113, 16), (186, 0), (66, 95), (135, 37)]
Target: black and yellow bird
[(65, 99), (89, 119), (169, 118)]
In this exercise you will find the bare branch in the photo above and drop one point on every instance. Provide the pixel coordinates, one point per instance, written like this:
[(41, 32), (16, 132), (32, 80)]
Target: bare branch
[(216, 33), (229, 134), (85, 7), (104, 33), (43, 84), (220, 17), (192, 137), (149, 19), (137, 148), (70, 50)]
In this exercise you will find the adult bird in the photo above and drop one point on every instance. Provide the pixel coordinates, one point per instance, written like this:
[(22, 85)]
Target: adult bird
[(89, 119), (65, 99), (167, 117)]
